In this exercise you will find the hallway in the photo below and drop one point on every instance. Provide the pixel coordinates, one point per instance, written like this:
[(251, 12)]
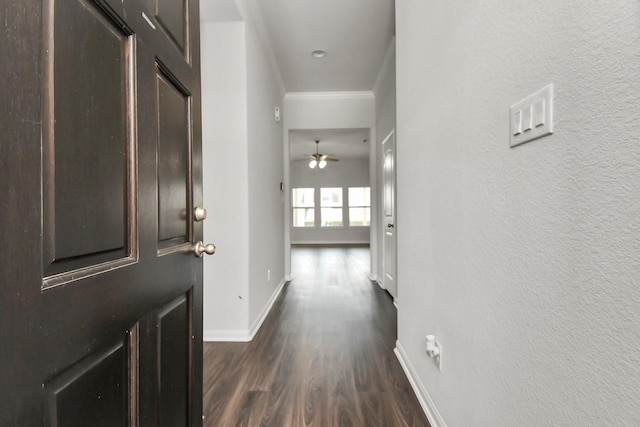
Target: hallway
[(323, 357)]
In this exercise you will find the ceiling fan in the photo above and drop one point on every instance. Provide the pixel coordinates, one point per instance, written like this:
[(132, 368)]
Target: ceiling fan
[(320, 160)]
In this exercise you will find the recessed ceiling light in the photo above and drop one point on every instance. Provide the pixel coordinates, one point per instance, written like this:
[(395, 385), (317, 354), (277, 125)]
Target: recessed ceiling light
[(318, 53)]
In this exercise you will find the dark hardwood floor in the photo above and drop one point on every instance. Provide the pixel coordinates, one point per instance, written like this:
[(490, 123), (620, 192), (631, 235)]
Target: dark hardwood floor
[(323, 357)]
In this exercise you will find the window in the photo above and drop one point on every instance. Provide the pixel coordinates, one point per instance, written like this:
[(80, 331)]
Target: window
[(303, 207), (331, 207), (359, 206)]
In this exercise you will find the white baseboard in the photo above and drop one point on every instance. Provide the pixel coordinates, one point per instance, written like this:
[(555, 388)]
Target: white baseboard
[(228, 335), (429, 408), (265, 311), (243, 335)]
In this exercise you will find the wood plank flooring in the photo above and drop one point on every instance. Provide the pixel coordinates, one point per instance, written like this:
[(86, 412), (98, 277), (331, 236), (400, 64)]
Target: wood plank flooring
[(323, 357)]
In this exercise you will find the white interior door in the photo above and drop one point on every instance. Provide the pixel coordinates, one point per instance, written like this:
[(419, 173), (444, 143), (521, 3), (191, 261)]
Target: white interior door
[(389, 214)]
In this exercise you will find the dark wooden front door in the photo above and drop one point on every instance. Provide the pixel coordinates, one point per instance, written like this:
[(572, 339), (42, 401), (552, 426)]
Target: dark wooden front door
[(100, 172)]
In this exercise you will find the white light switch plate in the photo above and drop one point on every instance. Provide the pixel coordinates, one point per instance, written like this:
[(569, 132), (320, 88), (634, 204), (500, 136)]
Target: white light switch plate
[(532, 118)]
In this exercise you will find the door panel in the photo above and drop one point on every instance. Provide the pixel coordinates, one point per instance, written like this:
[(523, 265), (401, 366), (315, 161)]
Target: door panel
[(88, 144), (173, 19), (101, 161), (174, 350), (174, 148), (69, 404)]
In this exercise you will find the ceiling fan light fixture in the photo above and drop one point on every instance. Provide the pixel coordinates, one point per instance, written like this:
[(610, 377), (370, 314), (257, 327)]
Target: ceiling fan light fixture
[(319, 53), (320, 160)]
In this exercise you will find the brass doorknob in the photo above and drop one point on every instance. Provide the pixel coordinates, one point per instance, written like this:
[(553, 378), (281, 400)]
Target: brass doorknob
[(200, 248), (199, 214)]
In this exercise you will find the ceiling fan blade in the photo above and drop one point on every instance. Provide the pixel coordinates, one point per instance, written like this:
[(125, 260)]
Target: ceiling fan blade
[(319, 157), (309, 157)]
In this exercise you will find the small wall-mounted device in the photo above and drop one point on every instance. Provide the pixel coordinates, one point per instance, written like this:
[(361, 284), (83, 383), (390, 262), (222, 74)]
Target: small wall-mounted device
[(532, 118), (434, 350), (277, 113)]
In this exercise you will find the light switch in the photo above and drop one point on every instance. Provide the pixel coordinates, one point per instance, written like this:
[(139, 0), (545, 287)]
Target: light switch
[(532, 118), (538, 112), (526, 119), (516, 125)]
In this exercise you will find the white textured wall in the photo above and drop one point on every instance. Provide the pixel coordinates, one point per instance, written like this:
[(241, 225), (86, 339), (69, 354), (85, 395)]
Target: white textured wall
[(523, 262), (266, 172), (225, 175), (243, 169), (345, 173), (330, 110)]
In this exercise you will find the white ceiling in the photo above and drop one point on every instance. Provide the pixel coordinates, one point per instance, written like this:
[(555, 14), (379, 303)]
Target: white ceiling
[(346, 144), (355, 34)]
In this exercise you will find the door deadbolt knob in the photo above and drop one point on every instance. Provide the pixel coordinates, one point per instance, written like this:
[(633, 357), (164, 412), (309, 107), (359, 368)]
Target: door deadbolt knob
[(390, 225), (199, 214), (200, 248)]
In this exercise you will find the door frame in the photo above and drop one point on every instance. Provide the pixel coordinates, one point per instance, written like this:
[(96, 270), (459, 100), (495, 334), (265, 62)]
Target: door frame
[(393, 288)]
